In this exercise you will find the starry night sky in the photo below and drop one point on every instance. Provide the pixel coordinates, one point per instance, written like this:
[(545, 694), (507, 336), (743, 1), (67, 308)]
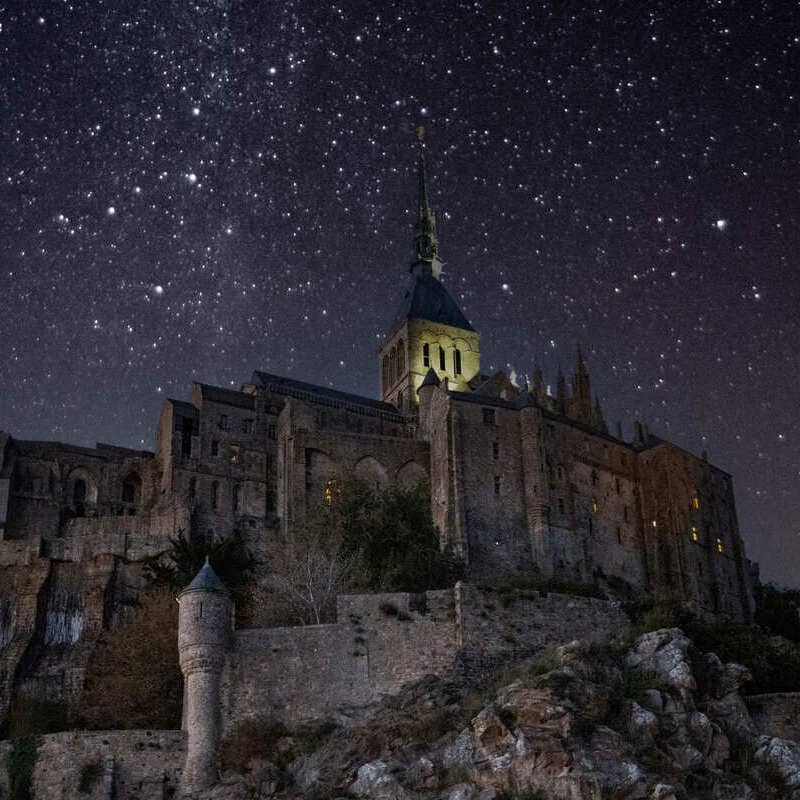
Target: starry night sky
[(191, 191)]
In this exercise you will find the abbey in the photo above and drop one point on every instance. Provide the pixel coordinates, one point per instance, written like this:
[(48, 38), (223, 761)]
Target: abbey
[(520, 481)]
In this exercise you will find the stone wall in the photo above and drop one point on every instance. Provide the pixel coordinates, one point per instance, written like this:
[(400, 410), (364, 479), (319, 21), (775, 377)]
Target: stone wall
[(378, 643), (104, 765), (776, 714), (381, 642)]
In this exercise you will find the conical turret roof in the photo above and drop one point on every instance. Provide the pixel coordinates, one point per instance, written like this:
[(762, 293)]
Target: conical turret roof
[(206, 580)]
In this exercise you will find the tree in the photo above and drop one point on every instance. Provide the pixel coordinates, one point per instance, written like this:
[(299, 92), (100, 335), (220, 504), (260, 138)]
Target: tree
[(134, 679), (309, 571), (175, 568)]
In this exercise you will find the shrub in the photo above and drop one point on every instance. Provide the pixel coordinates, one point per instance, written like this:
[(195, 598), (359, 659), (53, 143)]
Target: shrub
[(654, 619), (251, 739), (20, 764), (30, 716), (133, 679), (778, 611)]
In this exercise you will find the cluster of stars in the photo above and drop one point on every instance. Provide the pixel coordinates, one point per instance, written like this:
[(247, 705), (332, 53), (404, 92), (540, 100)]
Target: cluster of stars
[(192, 191)]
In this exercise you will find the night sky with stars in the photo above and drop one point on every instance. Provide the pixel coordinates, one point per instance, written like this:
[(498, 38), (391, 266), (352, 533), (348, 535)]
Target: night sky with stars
[(193, 190)]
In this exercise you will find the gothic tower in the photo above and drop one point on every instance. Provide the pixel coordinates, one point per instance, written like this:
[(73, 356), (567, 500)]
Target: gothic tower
[(429, 331)]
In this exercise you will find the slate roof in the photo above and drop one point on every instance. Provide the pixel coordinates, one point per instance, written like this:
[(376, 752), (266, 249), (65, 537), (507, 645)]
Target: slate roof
[(206, 581), (431, 379), (283, 385), (426, 298)]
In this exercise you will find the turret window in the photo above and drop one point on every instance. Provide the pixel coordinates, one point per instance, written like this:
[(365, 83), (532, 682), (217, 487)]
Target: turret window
[(457, 361), (426, 355), (442, 361), (214, 494)]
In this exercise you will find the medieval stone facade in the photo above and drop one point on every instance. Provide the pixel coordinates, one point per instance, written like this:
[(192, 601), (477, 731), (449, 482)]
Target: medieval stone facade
[(520, 481)]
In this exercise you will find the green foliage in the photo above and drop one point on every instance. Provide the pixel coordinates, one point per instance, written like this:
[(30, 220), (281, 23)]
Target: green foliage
[(88, 777), (778, 611), (774, 663), (654, 619), (176, 568), (20, 765), (391, 535), (521, 583), (29, 716)]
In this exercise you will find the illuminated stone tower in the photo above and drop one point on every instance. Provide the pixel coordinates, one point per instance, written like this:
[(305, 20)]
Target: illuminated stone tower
[(430, 331), (205, 630)]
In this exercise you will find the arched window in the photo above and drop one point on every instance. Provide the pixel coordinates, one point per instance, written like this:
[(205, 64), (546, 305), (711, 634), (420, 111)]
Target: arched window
[(401, 359), (426, 355), (392, 366), (457, 361), (79, 490), (385, 371), (442, 361), (214, 494), (237, 494)]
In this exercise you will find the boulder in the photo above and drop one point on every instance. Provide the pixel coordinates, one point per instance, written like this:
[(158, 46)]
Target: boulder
[(664, 652), (783, 756), (376, 781)]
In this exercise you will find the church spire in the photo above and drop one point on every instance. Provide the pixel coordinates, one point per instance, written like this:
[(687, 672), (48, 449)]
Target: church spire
[(426, 245)]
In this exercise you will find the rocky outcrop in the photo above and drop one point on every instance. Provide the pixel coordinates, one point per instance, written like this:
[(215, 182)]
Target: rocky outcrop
[(658, 721)]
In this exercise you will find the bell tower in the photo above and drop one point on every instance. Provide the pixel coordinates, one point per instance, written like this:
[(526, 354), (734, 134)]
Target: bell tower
[(430, 331)]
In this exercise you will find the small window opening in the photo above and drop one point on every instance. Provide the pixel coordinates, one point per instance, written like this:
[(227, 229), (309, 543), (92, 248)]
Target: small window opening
[(619, 535), (457, 361), (495, 450), (426, 355), (214, 494), (497, 484), (488, 416), (595, 506), (442, 361), (214, 447), (223, 422), (560, 505), (695, 536), (720, 548), (272, 431)]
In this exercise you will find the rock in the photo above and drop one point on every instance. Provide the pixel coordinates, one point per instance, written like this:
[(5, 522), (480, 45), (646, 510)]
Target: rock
[(533, 708), (652, 700), (723, 679), (720, 750), (376, 781), (685, 757), (663, 791), (664, 652), (494, 743), (461, 791), (421, 774), (459, 753), (782, 755), (641, 722), (701, 731), (731, 714)]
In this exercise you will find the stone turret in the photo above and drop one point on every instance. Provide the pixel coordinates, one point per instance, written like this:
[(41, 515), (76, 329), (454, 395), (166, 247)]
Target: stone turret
[(205, 631)]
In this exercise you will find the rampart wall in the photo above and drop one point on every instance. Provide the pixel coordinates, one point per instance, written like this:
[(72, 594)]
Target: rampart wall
[(381, 642), (104, 765)]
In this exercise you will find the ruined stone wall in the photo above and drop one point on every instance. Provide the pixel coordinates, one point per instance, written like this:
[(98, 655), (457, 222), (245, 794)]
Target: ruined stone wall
[(776, 714), (114, 765)]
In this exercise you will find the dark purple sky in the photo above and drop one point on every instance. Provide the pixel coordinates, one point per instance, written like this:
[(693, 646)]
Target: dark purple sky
[(190, 191)]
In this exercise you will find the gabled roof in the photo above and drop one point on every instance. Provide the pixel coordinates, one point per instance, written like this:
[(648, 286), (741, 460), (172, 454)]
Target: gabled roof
[(282, 385), (426, 298)]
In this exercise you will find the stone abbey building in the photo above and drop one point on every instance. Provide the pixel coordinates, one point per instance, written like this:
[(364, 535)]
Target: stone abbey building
[(520, 480)]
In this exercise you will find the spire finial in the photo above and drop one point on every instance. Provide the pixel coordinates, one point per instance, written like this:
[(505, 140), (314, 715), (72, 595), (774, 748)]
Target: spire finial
[(426, 246)]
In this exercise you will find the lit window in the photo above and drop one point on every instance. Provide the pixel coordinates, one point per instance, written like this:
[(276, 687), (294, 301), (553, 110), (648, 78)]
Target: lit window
[(457, 361), (655, 524), (330, 491), (426, 355), (695, 536), (594, 505), (720, 548), (695, 502), (442, 362)]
